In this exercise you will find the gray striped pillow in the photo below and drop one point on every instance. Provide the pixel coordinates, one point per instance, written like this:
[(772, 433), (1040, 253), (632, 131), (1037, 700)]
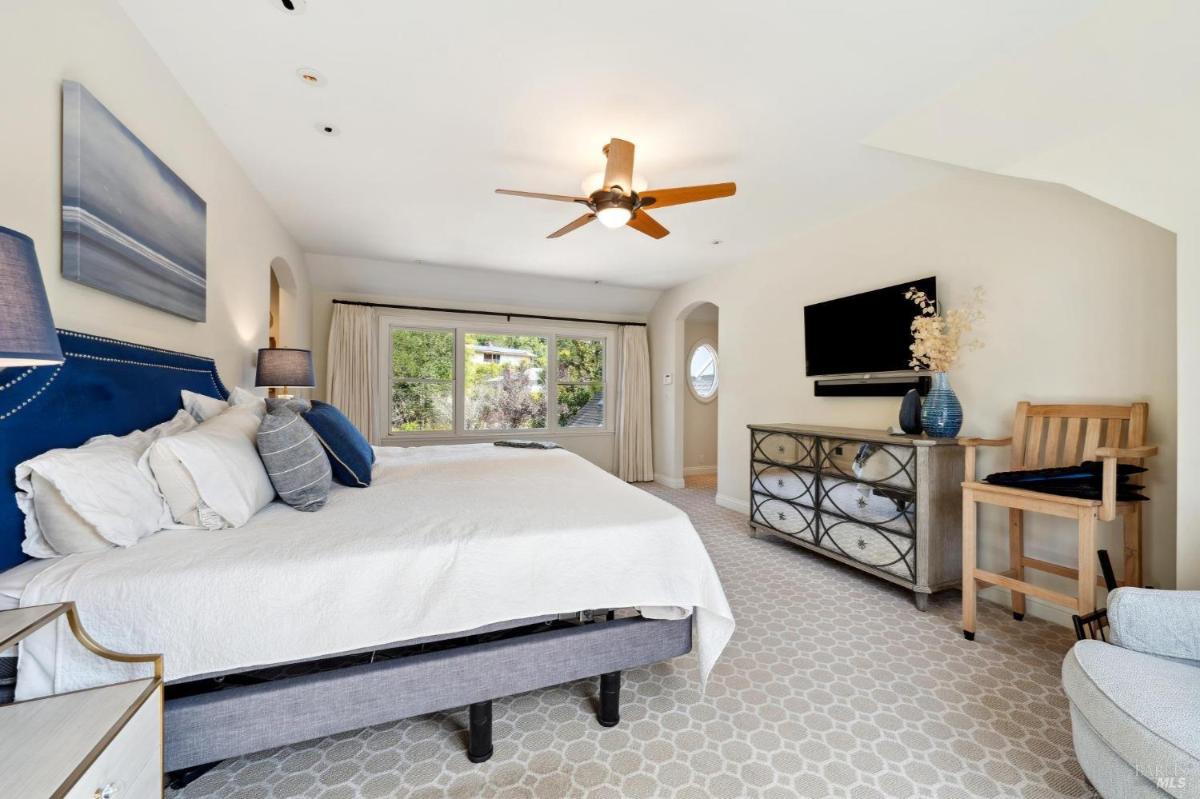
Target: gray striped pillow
[(294, 458)]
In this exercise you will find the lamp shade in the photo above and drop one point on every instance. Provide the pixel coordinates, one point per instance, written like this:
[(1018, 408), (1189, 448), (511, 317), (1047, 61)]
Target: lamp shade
[(27, 335), (279, 366)]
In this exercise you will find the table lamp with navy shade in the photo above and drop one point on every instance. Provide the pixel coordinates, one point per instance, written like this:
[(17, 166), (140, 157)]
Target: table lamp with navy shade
[(281, 366), (27, 334)]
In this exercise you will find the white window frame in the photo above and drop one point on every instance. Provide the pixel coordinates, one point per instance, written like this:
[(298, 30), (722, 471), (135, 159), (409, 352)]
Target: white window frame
[(603, 375), (687, 370), (461, 326)]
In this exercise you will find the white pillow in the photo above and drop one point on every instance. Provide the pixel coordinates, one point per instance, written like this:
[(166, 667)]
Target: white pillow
[(203, 407), (64, 530), (93, 493), (221, 461)]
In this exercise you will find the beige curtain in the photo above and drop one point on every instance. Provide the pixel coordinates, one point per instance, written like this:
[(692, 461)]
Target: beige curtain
[(353, 365), (635, 444)]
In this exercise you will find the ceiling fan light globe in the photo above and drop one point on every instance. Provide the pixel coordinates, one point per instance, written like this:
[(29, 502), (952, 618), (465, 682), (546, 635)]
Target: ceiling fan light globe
[(614, 217)]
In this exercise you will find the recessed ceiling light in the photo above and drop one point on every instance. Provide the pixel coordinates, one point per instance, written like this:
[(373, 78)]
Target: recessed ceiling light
[(310, 76), (328, 130), (290, 6)]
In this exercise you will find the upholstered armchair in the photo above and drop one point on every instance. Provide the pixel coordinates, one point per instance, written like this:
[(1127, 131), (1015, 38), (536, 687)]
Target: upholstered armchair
[(1135, 702)]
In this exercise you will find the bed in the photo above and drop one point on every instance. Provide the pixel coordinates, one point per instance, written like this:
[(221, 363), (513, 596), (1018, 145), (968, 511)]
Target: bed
[(463, 574)]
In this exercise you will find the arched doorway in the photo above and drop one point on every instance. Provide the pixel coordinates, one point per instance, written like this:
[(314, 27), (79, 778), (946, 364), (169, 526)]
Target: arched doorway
[(700, 372), (281, 310)]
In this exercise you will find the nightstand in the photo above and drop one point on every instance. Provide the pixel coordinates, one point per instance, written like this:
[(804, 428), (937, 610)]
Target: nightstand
[(99, 743)]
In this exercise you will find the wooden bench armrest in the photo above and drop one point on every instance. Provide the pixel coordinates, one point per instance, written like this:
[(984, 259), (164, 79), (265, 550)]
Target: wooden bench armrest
[(1126, 452), (984, 442), (969, 455), (1108, 486)]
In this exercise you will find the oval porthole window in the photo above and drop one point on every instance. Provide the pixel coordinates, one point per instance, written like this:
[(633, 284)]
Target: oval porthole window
[(702, 371)]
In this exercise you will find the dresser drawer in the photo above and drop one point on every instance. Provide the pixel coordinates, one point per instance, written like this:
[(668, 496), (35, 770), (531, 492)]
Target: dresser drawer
[(783, 516), (871, 546), (130, 767), (893, 508), (880, 464), (785, 449), (794, 485)]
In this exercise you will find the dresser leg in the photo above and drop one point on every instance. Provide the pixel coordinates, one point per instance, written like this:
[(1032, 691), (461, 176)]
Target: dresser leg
[(921, 600)]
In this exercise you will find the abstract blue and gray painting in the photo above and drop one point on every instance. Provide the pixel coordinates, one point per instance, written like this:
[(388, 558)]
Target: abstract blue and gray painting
[(131, 227)]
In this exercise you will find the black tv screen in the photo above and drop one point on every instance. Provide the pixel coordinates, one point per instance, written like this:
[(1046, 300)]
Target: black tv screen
[(864, 333)]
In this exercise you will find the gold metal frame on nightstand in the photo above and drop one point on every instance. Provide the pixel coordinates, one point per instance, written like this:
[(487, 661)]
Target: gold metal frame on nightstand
[(68, 609)]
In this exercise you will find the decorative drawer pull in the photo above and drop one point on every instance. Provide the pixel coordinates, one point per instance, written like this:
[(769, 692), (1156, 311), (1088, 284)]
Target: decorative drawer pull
[(108, 791), (779, 482)]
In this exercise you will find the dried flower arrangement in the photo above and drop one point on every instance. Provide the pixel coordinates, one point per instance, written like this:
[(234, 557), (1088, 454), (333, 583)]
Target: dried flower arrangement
[(937, 336)]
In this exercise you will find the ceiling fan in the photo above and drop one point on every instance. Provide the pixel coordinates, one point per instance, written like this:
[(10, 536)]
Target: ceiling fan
[(616, 202)]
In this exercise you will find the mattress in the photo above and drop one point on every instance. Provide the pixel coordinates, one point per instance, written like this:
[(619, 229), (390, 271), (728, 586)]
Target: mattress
[(446, 540)]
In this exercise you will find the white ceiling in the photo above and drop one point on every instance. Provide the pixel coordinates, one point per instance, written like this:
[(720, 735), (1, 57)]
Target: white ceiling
[(440, 103), (1107, 106)]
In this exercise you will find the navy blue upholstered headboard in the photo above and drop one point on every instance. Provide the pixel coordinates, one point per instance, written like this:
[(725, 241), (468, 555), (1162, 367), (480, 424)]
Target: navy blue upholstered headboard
[(104, 386)]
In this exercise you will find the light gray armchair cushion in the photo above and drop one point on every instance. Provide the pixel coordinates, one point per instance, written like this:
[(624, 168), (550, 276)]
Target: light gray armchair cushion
[(1145, 709), (1165, 623)]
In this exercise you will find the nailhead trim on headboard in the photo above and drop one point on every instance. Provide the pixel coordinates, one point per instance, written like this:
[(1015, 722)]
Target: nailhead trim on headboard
[(141, 363), (30, 399), (91, 337)]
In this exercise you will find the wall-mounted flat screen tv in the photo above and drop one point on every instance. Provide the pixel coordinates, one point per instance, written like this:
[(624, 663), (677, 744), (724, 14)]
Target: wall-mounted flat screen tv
[(864, 333)]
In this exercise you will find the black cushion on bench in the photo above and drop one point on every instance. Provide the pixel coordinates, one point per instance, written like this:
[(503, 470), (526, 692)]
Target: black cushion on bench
[(1084, 481)]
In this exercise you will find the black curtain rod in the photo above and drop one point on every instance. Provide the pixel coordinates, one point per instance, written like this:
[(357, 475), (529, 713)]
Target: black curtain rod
[(508, 316)]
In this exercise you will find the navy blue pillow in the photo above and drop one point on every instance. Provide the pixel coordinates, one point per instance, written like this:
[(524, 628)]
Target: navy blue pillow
[(350, 453)]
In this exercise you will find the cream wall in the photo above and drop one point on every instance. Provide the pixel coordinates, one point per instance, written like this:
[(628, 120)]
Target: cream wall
[(1106, 106), (699, 418), (1080, 304), (93, 42)]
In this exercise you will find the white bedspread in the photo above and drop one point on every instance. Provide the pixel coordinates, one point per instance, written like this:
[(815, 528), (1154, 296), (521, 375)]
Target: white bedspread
[(447, 539)]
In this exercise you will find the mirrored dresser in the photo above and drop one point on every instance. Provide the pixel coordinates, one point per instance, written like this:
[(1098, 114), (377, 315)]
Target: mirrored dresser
[(888, 505)]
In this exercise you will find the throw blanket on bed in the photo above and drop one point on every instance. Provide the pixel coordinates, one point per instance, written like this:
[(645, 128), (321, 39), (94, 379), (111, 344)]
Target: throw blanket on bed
[(446, 539)]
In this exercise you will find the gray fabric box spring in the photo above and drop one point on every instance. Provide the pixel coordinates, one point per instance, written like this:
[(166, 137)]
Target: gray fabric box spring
[(207, 727)]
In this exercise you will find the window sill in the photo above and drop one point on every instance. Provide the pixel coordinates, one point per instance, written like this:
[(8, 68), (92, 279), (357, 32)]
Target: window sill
[(484, 436)]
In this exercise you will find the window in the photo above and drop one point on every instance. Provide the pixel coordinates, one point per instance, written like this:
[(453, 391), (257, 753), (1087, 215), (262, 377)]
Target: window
[(580, 382), (702, 371), (422, 380), (451, 377), (505, 382)]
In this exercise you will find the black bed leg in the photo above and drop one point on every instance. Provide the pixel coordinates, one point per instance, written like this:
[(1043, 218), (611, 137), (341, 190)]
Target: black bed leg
[(181, 778), (610, 699), (479, 737)]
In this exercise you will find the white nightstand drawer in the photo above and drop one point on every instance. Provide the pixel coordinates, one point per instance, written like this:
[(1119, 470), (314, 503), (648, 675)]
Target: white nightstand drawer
[(123, 766)]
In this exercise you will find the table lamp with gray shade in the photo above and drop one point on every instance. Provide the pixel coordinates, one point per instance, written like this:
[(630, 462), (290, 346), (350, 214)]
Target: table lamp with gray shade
[(27, 334), (280, 366)]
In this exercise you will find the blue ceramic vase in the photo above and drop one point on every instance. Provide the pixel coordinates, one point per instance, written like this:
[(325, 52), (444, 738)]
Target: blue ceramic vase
[(941, 415)]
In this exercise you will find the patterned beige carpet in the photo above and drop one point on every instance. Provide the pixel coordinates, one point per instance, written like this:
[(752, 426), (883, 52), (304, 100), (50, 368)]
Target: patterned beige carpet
[(834, 685)]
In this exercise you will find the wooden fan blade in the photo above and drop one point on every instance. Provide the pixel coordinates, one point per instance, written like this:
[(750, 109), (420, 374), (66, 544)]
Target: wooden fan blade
[(578, 223), (619, 171), (642, 221), (562, 198), (661, 198)]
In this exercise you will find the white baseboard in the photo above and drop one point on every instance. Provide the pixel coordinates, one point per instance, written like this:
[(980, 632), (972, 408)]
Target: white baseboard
[(732, 503), (692, 471), (669, 482), (1037, 608)]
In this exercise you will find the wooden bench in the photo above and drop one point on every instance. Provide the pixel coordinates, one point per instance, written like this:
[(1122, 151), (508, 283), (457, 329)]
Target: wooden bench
[(1046, 436)]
